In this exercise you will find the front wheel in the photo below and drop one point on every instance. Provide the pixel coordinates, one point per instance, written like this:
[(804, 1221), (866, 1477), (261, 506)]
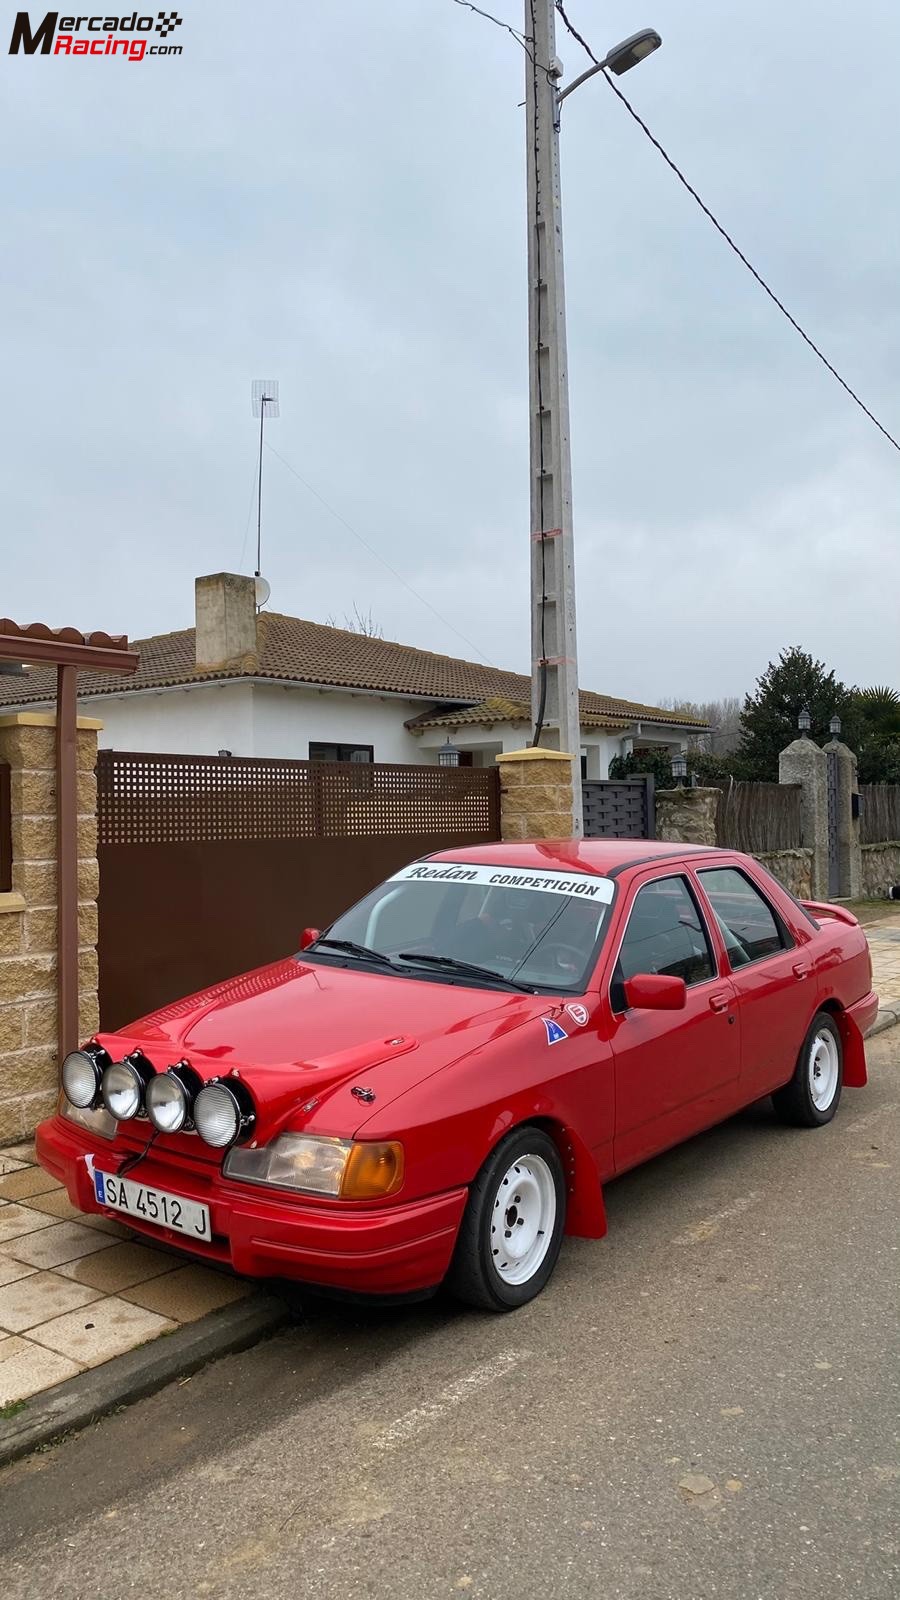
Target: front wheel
[(512, 1229), (813, 1094)]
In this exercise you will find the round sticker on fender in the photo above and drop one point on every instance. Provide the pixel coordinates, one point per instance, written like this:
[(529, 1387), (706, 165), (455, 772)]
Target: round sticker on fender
[(579, 1014)]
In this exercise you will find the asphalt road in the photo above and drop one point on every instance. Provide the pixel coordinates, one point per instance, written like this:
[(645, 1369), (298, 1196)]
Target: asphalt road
[(705, 1405)]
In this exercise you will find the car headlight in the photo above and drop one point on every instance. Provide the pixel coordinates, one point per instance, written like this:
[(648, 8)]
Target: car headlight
[(223, 1112), (95, 1119), (337, 1167), (81, 1074), (123, 1085), (170, 1096)]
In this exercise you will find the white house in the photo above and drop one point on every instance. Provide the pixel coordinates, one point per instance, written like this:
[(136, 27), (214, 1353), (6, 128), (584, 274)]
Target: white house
[(261, 684)]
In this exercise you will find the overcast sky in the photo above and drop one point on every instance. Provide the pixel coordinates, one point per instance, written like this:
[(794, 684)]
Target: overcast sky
[(332, 194)]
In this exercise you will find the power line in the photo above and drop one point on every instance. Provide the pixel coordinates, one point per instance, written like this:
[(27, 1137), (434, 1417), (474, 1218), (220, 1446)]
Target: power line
[(724, 233), (377, 554), (519, 37)]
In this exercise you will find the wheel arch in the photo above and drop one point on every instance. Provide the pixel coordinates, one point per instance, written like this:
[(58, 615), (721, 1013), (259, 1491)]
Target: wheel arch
[(585, 1211), (853, 1047)]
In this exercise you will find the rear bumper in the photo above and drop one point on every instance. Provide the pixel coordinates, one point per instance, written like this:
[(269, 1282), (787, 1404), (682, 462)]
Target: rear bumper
[(391, 1249), (865, 1011)]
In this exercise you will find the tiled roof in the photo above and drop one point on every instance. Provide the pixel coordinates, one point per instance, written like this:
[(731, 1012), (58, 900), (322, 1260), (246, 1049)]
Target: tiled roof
[(293, 650), (498, 709)]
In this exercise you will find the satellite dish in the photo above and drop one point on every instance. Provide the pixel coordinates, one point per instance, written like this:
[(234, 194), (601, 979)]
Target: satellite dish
[(263, 590)]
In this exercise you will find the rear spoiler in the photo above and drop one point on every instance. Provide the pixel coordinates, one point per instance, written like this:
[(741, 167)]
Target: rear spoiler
[(820, 908)]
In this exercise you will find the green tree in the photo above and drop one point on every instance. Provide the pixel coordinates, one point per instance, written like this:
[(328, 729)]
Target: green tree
[(769, 719), (879, 744)]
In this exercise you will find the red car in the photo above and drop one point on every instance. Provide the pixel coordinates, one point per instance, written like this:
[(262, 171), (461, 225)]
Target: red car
[(438, 1087)]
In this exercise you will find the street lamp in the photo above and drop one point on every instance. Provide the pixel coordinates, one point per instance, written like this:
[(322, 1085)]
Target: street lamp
[(554, 643), (834, 726), (621, 58), (448, 755), (804, 723), (679, 769)]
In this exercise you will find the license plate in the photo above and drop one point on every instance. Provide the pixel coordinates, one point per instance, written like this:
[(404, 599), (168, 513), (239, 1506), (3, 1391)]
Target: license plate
[(153, 1205)]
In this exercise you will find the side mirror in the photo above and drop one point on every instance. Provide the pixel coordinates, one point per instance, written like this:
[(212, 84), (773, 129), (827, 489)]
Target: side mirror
[(652, 991), (308, 937)]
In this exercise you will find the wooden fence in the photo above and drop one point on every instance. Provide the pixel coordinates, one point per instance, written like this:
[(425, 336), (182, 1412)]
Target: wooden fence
[(760, 817), (879, 812)]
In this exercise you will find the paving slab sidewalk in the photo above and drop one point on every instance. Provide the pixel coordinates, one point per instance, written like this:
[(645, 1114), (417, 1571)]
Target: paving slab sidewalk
[(79, 1293), (884, 943)]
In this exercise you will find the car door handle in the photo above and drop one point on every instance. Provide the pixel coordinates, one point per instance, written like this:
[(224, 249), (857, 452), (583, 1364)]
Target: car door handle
[(800, 969), (719, 1002)]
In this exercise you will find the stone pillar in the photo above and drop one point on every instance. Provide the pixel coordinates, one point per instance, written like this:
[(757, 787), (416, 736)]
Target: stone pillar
[(687, 816), (849, 847), (804, 763), (535, 794), (29, 1068)]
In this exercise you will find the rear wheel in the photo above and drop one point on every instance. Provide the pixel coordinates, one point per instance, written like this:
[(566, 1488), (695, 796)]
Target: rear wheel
[(512, 1229), (813, 1094)]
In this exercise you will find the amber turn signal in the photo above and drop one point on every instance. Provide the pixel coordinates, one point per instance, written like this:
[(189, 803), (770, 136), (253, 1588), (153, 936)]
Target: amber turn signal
[(372, 1170)]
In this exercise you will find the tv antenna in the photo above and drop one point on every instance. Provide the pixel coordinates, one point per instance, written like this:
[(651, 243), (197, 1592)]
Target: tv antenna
[(263, 403)]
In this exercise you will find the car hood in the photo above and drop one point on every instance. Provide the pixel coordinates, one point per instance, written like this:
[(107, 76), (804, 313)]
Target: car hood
[(302, 1034)]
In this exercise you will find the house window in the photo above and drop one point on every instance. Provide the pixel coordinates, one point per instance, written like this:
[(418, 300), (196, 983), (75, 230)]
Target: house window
[(341, 752)]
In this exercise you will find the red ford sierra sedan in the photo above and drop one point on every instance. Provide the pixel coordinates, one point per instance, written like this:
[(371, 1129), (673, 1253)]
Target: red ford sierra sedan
[(438, 1086)]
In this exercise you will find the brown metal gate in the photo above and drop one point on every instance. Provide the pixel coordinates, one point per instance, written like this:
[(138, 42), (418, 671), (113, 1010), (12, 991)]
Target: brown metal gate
[(211, 866)]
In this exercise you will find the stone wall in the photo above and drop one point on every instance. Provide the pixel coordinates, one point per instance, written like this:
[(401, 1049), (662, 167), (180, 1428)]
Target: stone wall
[(880, 869), (29, 1066), (687, 816), (535, 794), (793, 868)]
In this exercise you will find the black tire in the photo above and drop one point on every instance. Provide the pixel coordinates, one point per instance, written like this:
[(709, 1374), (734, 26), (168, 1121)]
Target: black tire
[(797, 1102), (474, 1277)]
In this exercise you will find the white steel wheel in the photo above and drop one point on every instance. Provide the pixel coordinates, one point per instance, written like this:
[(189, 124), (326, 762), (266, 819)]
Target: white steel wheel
[(811, 1097), (512, 1228), (522, 1220), (824, 1068)]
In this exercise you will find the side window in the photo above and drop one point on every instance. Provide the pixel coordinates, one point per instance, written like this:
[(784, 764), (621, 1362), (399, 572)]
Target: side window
[(747, 923), (665, 934)]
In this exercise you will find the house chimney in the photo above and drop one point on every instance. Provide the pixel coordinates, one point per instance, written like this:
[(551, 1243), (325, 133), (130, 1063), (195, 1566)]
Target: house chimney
[(225, 607)]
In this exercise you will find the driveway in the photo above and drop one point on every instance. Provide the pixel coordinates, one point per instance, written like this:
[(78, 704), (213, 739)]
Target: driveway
[(703, 1406)]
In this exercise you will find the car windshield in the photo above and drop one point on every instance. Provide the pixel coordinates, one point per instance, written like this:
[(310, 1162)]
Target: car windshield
[(530, 927)]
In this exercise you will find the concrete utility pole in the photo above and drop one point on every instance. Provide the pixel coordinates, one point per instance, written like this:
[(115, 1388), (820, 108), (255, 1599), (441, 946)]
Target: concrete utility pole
[(554, 642)]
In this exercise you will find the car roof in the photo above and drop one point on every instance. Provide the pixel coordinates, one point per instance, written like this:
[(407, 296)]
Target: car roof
[(603, 856)]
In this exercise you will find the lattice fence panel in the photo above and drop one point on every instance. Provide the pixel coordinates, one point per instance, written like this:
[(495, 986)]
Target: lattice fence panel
[(165, 799)]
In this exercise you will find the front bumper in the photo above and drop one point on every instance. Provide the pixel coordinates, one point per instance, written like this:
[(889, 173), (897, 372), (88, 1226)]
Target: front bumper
[(390, 1249)]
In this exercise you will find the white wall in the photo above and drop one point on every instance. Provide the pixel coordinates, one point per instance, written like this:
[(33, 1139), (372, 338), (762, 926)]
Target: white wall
[(256, 720), (252, 719), (199, 721)]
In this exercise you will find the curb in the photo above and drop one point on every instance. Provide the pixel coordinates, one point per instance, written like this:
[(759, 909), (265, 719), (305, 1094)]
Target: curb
[(84, 1399), (887, 1017)]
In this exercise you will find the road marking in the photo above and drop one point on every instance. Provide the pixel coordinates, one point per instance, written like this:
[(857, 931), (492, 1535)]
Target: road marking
[(869, 1118), (709, 1226), (412, 1422)]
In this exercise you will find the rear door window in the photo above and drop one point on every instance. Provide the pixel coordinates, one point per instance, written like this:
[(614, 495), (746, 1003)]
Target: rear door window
[(749, 926)]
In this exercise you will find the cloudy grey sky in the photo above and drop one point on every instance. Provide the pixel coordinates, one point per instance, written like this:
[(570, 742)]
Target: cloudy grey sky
[(333, 194)]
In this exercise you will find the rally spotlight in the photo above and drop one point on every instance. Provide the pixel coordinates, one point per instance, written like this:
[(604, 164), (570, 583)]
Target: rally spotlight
[(223, 1112), (124, 1085), (170, 1098), (81, 1075)]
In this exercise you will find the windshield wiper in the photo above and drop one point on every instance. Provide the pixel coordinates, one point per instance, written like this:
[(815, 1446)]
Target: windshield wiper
[(351, 948), (465, 969)]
